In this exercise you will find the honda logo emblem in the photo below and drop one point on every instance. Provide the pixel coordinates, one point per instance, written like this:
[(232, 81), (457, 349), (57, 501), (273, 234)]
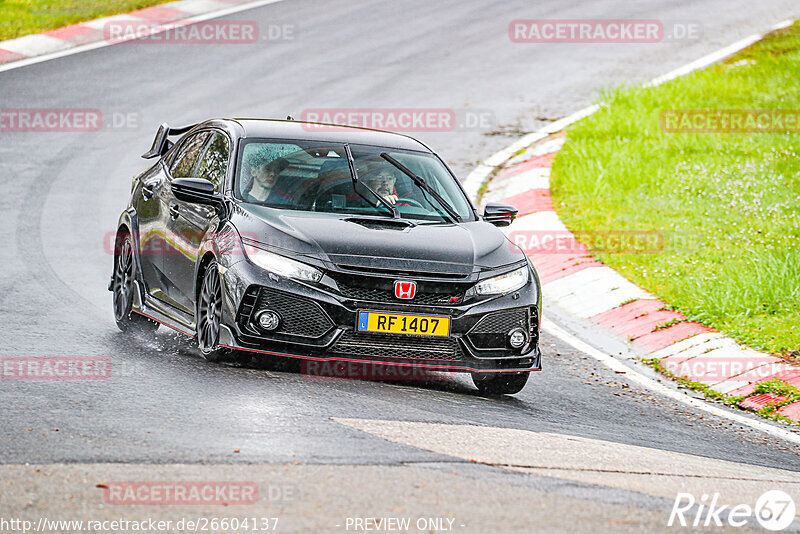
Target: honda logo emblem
[(405, 289)]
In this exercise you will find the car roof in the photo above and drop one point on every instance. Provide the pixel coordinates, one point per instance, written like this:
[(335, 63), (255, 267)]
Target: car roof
[(312, 131)]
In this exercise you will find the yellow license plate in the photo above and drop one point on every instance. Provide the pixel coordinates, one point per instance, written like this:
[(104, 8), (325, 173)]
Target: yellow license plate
[(395, 323)]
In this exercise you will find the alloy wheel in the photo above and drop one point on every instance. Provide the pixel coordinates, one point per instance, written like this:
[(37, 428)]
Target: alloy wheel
[(209, 311), (123, 281)]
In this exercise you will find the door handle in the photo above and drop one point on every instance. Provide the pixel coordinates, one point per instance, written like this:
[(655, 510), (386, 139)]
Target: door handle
[(174, 211), (147, 191)]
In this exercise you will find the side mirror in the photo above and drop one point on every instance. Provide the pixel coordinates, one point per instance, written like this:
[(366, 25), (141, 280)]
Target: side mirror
[(195, 190), (499, 214)]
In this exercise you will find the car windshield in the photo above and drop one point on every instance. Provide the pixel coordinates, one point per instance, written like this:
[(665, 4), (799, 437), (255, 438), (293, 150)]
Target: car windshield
[(315, 176)]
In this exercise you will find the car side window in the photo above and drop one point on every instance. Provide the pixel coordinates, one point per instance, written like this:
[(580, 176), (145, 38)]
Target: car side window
[(214, 164), (185, 162)]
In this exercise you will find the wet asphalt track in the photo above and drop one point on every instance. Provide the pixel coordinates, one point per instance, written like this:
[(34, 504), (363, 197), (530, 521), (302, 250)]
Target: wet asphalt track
[(62, 193)]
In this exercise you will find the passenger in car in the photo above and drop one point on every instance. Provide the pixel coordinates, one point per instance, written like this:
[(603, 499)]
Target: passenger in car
[(265, 186)]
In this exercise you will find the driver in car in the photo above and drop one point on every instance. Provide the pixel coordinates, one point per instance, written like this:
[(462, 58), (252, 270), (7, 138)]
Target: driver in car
[(382, 181)]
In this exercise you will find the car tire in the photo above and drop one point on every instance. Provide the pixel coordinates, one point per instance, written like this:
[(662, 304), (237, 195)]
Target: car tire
[(500, 383), (209, 315), (122, 288)]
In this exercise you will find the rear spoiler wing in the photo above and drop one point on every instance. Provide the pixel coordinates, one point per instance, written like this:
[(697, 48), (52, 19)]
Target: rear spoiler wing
[(161, 144)]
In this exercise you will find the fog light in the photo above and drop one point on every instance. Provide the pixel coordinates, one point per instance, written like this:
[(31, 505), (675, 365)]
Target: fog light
[(517, 338), (268, 319)]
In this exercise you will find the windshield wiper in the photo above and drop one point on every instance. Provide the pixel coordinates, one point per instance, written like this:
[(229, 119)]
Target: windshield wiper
[(422, 184), (356, 184)]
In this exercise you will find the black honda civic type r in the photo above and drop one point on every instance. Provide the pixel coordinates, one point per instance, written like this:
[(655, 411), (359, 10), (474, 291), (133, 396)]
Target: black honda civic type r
[(324, 242)]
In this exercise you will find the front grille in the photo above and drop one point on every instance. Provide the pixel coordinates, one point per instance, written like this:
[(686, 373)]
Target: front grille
[(380, 346), (491, 331), (430, 292), (300, 316), (387, 295)]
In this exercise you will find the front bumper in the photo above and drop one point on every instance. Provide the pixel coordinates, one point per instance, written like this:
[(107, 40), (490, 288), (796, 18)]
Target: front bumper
[(318, 323)]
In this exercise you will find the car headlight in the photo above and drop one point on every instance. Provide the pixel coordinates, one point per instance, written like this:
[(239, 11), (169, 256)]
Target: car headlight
[(282, 265), (505, 283)]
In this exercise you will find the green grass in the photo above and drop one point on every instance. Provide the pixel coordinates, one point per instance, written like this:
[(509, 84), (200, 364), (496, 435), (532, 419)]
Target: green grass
[(773, 386), (22, 17), (709, 393), (727, 204)]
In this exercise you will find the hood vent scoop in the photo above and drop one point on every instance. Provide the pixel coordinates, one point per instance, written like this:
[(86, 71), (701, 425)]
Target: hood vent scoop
[(381, 224)]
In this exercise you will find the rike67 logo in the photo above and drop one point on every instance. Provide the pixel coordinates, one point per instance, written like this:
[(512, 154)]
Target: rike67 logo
[(774, 510)]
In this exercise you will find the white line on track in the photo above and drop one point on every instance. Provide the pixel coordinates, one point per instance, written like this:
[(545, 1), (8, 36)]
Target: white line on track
[(155, 31), (647, 382)]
